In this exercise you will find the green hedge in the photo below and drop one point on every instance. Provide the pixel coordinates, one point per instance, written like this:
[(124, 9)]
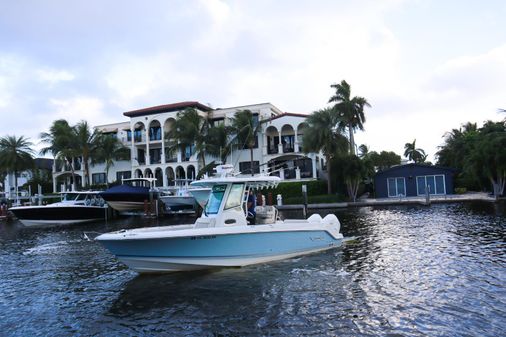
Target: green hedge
[(315, 199), (292, 192)]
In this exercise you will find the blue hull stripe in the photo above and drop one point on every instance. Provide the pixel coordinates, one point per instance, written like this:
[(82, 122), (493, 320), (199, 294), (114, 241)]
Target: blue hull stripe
[(223, 246)]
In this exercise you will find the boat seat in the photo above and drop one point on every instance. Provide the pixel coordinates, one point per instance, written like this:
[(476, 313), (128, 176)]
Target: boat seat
[(205, 223), (314, 219), (266, 214)]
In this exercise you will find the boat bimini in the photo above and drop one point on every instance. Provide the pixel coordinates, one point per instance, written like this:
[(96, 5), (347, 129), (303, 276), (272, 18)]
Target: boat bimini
[(222, 236)]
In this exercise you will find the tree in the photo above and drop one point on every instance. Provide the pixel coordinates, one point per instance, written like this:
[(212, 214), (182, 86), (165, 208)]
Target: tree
[(190, 129), (245, 127), (363, 151), (453, 153), (84, 143), (384, 160), (61, 144), (353, 173), (109, 150), (488, 157), (413, 153), (218, 142), (16, 155), (350, 110), (324, 134)]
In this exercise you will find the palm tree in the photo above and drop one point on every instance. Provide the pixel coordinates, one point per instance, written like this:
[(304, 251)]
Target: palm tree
[(351, 110), (323, 134), (218, 142), (190, 129), (109, 150), (16, 155), (60, 141), (85, 144), (414, 154), (363, 151), (245, 129)]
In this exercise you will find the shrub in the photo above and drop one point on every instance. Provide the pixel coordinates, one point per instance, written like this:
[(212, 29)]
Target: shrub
[(460, 190)]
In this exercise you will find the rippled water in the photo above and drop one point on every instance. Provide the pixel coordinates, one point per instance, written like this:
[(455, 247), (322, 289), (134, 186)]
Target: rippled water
[(416, 271)]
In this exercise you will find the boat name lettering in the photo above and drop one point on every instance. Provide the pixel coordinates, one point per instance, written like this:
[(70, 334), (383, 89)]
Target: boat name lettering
[(203, 237)]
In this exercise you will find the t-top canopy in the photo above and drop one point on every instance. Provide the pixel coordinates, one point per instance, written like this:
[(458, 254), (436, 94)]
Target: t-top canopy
[(255, 182)]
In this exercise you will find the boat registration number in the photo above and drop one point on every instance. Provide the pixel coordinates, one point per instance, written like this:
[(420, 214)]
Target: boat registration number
[(206, 237)]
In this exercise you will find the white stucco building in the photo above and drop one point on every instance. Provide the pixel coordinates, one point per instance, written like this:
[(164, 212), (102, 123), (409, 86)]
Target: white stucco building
[(279, 149)]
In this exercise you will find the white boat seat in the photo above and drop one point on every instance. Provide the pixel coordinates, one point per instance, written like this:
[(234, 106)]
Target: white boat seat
[(314, 219), (266, 214)]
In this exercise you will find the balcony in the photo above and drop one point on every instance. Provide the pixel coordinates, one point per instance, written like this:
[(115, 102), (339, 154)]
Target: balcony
[(273, 150), (288, 148)]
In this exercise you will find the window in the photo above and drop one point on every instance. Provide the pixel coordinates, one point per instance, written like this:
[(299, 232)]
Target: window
[(214, 202), (155, 133), (155, 156), (129, 135), (217, 122), (141, 157), (396, 187), (245, 167), (123, 175), (288, 143), (98, 178), (138, 135), (234, 198), (188, 152), (435, 184)]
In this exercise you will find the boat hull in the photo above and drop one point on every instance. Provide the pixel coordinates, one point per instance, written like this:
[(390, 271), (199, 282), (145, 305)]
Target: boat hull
[(216, 251), (178, 204), (31, 216), (128, 198)]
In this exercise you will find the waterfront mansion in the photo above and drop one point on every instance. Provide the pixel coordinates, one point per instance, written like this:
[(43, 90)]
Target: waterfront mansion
[(278, 148)]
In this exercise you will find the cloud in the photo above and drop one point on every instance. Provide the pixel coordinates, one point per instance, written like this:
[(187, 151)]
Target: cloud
[(75, 109), (54, 76)]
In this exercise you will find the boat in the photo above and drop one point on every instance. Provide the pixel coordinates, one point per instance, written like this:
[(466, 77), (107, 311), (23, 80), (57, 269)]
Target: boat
[(180, 199), (221, 236), (74, 208), (132, 194)]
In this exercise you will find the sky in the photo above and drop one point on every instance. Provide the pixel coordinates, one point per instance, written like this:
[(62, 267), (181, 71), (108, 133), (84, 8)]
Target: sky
[(426, 67)]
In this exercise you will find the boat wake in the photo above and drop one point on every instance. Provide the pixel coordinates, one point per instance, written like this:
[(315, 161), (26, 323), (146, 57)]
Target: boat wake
[(48, 247)]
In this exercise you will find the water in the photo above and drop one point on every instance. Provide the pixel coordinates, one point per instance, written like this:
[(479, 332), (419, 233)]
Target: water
[(416, 271)]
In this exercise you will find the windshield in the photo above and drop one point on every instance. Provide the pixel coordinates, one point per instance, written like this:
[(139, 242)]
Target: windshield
[(235, 196), (215, 198), (69, 196)]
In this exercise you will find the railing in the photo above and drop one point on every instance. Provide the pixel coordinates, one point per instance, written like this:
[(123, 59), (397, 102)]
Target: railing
[(288, 149), (272, 150)]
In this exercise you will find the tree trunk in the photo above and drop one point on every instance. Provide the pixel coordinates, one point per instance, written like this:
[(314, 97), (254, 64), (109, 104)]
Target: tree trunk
[(86, 172), (329, 185), (251, 160), (352, 140)]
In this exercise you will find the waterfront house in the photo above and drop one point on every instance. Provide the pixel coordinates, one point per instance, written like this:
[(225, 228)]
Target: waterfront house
[(9, 184), (278, 149), (413, 180)]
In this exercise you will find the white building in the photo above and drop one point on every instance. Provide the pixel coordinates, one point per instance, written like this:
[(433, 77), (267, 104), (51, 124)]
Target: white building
[(279, 149)]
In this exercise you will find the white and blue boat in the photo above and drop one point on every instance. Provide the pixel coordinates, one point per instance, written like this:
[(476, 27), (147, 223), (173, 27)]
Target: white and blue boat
[(222, 236)]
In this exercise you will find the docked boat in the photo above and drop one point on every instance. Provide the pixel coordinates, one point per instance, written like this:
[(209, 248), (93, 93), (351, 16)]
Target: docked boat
[(74, 208), (222, 236), (132, 194), (180, 198)]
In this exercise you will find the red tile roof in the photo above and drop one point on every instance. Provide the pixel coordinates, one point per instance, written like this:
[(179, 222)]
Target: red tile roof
[(292, 114), (167, 108)]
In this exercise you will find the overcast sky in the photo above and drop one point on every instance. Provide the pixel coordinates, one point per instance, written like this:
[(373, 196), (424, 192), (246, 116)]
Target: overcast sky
[(424, 66)]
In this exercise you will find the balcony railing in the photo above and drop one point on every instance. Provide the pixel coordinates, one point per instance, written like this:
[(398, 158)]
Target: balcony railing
[(272, 150), (288, 148)]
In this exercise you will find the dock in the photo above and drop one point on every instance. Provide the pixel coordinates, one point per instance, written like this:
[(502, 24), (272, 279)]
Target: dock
[(420, 200)]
